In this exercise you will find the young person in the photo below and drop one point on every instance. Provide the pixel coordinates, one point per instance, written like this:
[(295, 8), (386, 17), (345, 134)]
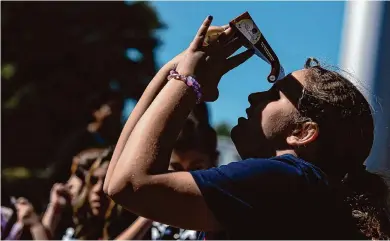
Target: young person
[(28, 225), (299, 141), (195, 149), (66, 197), (92, 214), (97, 216)]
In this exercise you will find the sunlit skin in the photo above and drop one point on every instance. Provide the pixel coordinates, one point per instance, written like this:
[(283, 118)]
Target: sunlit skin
[(269, 122), (180, 161), (140, 170)]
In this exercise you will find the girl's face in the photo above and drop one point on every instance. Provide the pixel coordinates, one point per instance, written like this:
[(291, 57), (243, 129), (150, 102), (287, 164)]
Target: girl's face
[(75, 185), (98, 201), (270, 120), (81, 163)]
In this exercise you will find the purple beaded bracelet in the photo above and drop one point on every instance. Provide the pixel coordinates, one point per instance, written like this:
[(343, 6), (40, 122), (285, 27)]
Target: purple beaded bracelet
[(189, 81)]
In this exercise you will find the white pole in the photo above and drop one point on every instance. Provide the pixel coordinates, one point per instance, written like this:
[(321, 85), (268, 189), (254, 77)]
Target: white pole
[(365, 53)]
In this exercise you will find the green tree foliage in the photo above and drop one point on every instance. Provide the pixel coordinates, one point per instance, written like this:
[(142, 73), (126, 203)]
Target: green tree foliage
[(56, 54), (223, 129)]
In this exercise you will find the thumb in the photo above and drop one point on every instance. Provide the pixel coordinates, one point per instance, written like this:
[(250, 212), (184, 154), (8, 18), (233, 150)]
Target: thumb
[(238, 59)]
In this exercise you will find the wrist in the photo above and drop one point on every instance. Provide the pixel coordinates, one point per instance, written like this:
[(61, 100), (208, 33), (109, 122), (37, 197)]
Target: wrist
[(56, 208), (36, 224), (188, 94), (29, 221), (189, 81), (16, 231), (172, 64), (18, 224)]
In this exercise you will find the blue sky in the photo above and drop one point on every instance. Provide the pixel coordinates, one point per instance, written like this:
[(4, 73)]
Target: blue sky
[(295, 30)]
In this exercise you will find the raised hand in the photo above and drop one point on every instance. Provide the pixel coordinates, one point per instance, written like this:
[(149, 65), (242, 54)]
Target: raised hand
[(209, 62), (60, 195), (25, 212), (212, 33)]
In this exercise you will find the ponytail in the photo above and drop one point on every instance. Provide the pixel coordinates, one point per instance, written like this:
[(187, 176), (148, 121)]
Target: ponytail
[(366, 194)]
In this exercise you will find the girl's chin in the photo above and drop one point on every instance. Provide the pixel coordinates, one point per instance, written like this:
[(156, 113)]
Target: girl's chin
[(99, 212)]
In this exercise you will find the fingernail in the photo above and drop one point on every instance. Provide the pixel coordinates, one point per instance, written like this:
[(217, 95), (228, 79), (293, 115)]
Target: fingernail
[(210, 17)]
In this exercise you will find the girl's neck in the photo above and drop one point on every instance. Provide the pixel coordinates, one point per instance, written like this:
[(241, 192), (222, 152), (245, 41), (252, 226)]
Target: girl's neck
[(284, 152)]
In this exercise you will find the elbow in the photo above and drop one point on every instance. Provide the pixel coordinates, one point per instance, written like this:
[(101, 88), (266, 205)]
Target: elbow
[(117, 194), (129, 194), (113, 193), (121, 190), (106, 185), (115, 186), (114, 190)]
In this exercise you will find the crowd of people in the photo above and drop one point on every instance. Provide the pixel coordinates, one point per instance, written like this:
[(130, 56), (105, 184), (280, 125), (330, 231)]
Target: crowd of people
[(302, 177), (78, 207)]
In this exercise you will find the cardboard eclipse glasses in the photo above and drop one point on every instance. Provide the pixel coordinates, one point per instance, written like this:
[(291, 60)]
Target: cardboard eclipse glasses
[(250, 34)]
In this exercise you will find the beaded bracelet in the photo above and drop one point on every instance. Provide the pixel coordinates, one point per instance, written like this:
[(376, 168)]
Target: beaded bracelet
[(189, 81)]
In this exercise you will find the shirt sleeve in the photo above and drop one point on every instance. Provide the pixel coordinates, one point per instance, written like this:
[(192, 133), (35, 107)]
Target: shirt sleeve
[(238, 190), (15, 232)]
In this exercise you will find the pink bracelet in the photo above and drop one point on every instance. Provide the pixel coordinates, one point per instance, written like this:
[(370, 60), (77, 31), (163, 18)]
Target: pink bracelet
[(189, 81)]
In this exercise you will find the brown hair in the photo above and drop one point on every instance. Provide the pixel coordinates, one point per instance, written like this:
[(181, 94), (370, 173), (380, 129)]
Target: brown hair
[(346, 136), (200, 137), (86, 226), (344, 117), (366, 194), (84, 160), (197, 134)]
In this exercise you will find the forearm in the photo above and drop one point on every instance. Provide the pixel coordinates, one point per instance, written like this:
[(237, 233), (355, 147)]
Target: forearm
[(51, 218), (149, 147), (137, 230), (16, 231), (146, 99), (38, 232)]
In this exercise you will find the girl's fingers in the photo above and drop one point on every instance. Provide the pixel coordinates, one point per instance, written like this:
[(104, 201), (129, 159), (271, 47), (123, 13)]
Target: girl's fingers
[(224, 44), (226, 35), (213, 34), (231, 47), (201, 34), (226, 26), (237, 60), (21, 200), (217, 28)]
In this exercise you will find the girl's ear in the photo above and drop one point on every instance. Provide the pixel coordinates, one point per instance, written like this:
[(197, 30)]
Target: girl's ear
[(304, 134)]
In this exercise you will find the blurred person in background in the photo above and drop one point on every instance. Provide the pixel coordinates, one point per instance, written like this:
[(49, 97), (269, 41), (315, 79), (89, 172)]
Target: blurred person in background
[(94, 215), (303, 139), (7, 220), (195, 149), (81, 164), (27, 224), (58, 215)]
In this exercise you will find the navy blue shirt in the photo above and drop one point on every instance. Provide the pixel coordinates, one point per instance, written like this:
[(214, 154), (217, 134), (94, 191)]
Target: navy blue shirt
[(278, 198)]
